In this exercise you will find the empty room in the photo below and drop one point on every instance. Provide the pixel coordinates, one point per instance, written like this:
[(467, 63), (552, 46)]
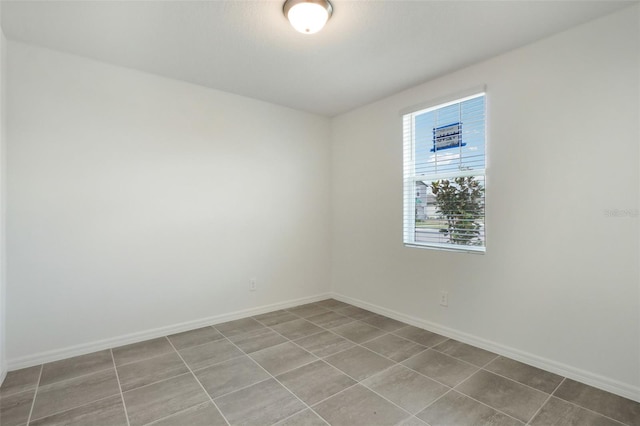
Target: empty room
[(319, 212)]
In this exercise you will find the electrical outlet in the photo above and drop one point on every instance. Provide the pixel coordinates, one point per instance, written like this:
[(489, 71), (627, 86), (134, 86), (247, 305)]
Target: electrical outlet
[(444, 298), (253, 285)]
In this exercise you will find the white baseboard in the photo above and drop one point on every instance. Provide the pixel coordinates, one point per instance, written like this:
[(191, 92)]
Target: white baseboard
[(85, 348), (3, 375), (610, 385)]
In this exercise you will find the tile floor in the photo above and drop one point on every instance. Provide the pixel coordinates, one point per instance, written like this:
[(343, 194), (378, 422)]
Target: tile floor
[(316, 364)]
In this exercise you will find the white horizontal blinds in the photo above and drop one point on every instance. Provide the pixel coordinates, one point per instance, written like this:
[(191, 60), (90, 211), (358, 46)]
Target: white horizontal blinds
[(409, 175), (444, 175)]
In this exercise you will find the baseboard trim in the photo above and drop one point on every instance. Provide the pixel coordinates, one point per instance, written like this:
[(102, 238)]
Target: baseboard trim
[(622, 389), (3, 375), (98, 345)]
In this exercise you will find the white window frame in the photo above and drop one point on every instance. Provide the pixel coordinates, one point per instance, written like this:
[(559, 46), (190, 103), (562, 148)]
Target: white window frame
[(409, 170)]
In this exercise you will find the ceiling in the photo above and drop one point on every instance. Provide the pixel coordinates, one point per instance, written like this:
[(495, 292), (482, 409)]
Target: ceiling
[(368, 50)]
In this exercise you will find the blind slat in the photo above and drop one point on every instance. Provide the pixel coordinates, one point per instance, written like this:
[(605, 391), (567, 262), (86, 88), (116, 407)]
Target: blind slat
[(444, 175)]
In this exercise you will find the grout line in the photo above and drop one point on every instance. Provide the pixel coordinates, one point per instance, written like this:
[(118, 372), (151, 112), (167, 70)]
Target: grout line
[(141, 359), (198, 382), (487, 405), (115, 370), (35, 394), (323, 328), (155, 383), (394, 363), (278, 323), (75, 407), (279, 422), (177, 350), (558, 386), (483, 368), (214, 364), (358, 382), (278, 381), (217, 363), (454, 389), (174, 414), (435, 348), (28, 389), (242, 388), (126, 413), (338, 393), (433, 402), (542, 406), (515, 381), (590, 410), (480, 402), (48, 385)]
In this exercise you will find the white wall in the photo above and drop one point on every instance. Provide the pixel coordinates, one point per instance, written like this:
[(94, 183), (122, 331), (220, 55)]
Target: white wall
[(559, 284), (3, 269), (137, 202)]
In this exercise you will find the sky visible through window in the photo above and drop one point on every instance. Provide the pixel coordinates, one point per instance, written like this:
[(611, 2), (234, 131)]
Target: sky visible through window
[(470, 156)]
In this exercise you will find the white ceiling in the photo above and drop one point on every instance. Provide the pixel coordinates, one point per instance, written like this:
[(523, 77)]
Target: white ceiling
[(368, 50)]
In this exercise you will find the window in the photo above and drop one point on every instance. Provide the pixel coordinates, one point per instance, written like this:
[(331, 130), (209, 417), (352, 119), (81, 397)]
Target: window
[(444, 175)]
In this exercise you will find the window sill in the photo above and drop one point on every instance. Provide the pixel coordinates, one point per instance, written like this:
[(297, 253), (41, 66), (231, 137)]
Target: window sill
[(447, 247)]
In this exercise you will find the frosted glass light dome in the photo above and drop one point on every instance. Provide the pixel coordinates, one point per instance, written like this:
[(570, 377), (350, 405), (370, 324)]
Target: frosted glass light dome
[(308, 16)]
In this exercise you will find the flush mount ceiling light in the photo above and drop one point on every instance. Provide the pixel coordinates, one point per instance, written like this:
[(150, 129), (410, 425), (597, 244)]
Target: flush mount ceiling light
[(307, 16)]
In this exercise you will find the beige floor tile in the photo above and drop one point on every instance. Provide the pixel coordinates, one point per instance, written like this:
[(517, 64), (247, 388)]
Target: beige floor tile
[(330, 320), (277, 317), (15, 408), (145, 372), (303, 418), (321, 367), (359, 363), (358, 331), (163, 399), (614, 406), (557, 412), (195, 337), (359, 406), (354, 312), (230, 376), (296, 329), (264, 403), (201, 415), (63, 396), (332, 304), (420, 336), (455, 409), (256, 340), (384, 323), (413, 421), (316, 381), (308, 310), (465, 352), (406, 388), (324, 344), (394, 347), (20, 380), (198, 357), (281, 358), (233, 328), (109, 411), (505, 395), (440, 367), (143, 350), (74, 367), (525, 374)]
